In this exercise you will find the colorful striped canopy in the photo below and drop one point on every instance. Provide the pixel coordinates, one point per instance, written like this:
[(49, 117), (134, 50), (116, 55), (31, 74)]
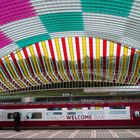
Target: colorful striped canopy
[(50, 41)]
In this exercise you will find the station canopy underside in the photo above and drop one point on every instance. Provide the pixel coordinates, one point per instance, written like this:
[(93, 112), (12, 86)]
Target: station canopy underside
[(45, 42)]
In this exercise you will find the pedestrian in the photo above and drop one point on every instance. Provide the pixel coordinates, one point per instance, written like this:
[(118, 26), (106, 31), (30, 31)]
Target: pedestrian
[(17, 121)]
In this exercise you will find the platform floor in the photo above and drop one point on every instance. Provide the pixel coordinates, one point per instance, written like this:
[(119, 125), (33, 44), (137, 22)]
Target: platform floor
[(71, 134)]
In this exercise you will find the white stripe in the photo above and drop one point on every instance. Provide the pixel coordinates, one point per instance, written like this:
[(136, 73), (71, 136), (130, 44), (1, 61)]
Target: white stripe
[(24, 28), (42, 55), (93, 134), (41, 49), (30, 56), (1, 87), (8, 49), (81, 50), (127, 64), (31, 61), (50, 57), (107, 58), (67, 34), (137, 78), (55, 51), (36, 57), (81, 54), (121, 61), (56, 57), (48, 49), (114, 63), (33, 135), (17, 59), (133, 133), (104, 23), (94, 55), (54, 6), (54, 134), (73, 134), (3, 74), (5, 64), (61, 49), (16, 134), (4, 133), (101, 56), (12, 64), (114, 135), (4, 84), (75, 54), (88, 52), (62, 56), (68, 54)]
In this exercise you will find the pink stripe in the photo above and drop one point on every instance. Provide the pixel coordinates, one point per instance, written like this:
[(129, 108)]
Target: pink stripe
[(4, 40), (13, 10)]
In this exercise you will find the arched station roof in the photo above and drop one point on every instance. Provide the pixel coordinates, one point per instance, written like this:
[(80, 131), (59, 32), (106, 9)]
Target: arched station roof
[(50, 41)]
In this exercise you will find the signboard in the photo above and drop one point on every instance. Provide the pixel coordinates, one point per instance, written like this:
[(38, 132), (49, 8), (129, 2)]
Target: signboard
[(103, 114)]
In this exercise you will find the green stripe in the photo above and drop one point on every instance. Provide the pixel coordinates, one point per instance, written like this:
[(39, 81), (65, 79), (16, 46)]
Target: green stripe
[(31, 40), (111, 7), (60, 22)]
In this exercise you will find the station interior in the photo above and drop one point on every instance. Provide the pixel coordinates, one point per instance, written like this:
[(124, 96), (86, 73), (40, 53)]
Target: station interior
[(70, 69)]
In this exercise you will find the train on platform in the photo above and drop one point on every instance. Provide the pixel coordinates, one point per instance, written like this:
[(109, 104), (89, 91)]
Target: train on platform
[(86, 115)]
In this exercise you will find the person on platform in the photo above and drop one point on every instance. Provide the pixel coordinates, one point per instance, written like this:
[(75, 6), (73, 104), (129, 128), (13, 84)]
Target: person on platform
[(17, 121)]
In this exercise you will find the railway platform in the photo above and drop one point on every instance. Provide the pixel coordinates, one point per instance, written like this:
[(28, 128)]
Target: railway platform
[(69, 134)]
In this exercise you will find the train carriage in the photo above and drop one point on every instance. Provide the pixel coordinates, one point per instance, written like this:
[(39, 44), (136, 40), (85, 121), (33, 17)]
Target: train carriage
[(72, 115)]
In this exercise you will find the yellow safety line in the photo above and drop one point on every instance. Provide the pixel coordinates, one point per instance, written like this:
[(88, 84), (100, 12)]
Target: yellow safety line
[(84, 47), (123, 71), (97, 59), (72, 58), (137, 68), (46, 56), (25, 72), (111, 60), (60, 59)]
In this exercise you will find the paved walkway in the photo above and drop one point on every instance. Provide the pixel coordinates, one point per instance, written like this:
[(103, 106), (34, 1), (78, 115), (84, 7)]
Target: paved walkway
[(71, 134)]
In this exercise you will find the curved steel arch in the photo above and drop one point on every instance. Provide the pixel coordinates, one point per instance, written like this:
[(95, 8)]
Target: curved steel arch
[(25, 23), (70, 59)]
